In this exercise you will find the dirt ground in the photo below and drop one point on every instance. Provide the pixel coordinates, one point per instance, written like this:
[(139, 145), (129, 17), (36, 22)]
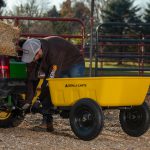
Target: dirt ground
[(111, 138)]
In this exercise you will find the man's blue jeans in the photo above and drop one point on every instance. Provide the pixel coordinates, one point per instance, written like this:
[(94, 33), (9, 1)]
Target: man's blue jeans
[(76, 70)]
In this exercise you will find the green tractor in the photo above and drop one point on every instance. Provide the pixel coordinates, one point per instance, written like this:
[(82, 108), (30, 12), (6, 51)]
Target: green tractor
[(13, 74)]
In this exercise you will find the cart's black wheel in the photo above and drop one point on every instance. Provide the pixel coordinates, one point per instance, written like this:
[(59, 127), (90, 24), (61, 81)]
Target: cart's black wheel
[(136, 120), (86, 119), (10, 119)]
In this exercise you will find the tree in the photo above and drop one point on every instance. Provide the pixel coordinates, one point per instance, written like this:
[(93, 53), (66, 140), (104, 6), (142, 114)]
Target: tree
[(66, 9), (121, 11), (2, 4), (147, 13), (99, 6), (147, 18), (53, 12), (146, 30), (82, 12), (31, 8)]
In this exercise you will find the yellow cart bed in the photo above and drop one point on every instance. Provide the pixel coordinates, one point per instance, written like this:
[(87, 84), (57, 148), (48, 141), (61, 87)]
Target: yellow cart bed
[(106, 91), (87, 97)]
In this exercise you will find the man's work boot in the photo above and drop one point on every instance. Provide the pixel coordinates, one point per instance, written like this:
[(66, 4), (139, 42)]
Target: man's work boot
[(49, 121), (50, 127), (46, 125)]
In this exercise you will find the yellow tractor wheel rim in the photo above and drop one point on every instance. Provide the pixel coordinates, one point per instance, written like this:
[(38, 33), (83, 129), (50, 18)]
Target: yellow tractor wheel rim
[(4, 115)]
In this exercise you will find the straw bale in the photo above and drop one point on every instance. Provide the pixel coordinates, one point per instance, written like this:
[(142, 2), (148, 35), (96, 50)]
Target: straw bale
[(8, 38)]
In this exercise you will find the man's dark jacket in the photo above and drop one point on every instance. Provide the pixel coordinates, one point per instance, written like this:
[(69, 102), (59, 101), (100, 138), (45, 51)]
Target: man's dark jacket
[(58, 51)]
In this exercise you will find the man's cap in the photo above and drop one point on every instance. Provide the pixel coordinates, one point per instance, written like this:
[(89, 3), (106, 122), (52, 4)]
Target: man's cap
[(30, 48)]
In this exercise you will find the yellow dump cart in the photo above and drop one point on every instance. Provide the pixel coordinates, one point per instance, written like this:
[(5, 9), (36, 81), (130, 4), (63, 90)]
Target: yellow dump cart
[(85, 99)]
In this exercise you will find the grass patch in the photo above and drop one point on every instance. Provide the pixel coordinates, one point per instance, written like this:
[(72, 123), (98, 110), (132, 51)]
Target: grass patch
[(112, 65)]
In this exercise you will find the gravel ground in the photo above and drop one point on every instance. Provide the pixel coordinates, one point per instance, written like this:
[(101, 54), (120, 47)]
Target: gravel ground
[(111, 138)]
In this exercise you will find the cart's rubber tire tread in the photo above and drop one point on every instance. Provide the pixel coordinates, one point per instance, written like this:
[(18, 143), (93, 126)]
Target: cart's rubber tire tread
[(89, 129), (135, 121), (13, 120)]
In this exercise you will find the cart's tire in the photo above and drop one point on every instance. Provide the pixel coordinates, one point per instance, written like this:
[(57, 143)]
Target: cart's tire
[(10, 119), (135, 121), (86, 119)]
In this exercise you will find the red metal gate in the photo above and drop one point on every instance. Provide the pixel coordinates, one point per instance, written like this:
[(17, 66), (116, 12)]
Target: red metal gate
[(139, 42), (16, 21)]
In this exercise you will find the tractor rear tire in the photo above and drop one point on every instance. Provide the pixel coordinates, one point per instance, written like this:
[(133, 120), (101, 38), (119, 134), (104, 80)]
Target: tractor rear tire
[(10, 119)]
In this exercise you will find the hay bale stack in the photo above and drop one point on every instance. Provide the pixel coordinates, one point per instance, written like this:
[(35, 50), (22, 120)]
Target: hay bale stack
[(8, 38)]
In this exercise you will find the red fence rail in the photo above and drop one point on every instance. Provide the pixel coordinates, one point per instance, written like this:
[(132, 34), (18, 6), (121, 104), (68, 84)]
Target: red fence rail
[(81, 36), (138, 42)]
